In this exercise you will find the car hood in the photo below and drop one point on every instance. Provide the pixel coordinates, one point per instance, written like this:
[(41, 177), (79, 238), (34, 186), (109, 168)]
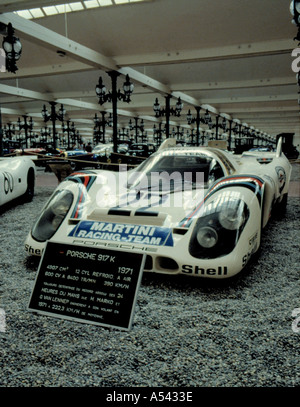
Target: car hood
[(107, 197)]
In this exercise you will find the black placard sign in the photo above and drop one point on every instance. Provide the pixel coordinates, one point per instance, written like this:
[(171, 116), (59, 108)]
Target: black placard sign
[(87, 284)]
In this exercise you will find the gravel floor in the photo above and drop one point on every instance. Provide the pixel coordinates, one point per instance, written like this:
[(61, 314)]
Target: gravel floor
[(186, 332)]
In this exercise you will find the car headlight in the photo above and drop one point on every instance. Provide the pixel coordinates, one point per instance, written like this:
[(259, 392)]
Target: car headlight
[(218, 230), (52, 216), (232, 216), (207, 237)]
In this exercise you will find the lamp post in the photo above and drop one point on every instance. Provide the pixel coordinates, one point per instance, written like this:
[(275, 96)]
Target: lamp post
[(113, 96), (295, 11), (178, 134), (45, 133), (70, 130), (123, 134), (207, 120), (26, 125), (223, 126), (13, 48), (157, 134), (217, 127), (9, 130), (190, 119), (137, 127), (167, 111), (229, 135), (53, 116), (99, 128)]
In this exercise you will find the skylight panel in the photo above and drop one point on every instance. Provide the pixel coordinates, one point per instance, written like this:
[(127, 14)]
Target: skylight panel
[(63, 8), (76, 6), (91, 3), (50, 10), (25, 14), (36, 12), (39, 12), (105, 2)]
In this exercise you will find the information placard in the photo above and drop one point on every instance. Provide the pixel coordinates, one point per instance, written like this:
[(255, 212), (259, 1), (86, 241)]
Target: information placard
[(88, 284)]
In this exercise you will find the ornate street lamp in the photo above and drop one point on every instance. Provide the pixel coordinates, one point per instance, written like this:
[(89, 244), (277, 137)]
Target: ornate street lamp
[(13, 48), (157, 134), (53, 116), (26, 125), (99, 127), (123, 134), (167, 111), (113, 96), (295, 11), (104, 96), (137, 127), (171, 110), (208, 120), (44, 134), (190, 119), (70, 129), (9, 130), (223, 125)]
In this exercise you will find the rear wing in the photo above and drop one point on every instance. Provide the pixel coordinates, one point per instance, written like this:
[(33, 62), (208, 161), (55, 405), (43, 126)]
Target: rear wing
[(279, 148), (169, 142)]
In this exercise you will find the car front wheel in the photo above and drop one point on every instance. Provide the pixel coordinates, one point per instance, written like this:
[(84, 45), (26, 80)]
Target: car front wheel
[(28, 196)]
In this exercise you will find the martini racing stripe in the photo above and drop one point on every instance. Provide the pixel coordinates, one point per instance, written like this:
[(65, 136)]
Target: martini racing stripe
[(85, 181), (255, 184)]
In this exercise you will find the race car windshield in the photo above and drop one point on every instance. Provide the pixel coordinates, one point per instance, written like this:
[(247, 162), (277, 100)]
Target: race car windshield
[(179, 169)]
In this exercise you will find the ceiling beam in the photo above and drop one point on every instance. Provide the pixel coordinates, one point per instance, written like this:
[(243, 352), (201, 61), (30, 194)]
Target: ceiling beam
[(48, 70), (30, 94), (250, 99), (252, 83), (145, 80), (50, 39), (208, 54), (262, 109), (8, 111), (78, 103)]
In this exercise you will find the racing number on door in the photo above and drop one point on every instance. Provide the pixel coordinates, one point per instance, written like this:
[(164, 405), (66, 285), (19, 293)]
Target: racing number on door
[(8, 182)]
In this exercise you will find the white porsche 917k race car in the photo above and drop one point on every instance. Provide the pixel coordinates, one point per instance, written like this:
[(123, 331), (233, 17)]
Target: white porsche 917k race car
[(17, 179), (195, 211)]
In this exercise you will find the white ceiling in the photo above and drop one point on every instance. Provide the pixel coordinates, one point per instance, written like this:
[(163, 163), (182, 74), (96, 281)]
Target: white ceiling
[(233, 55)]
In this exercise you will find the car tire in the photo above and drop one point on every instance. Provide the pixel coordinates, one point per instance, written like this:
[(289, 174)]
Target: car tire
[(28, 196), (280, 208)]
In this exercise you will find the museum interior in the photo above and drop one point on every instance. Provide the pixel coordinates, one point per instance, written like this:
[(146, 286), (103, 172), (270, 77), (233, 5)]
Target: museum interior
[(182, 270), (94, 72)]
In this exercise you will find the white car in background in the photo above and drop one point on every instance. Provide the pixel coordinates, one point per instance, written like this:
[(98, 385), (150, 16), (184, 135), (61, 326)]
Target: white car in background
[(17, 179), (103, 149)]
